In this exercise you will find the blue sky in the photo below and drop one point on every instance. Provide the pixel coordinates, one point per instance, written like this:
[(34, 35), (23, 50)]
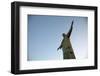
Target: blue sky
[(45, 36)]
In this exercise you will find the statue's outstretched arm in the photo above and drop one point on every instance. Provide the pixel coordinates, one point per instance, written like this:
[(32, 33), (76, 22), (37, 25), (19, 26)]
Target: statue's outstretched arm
[(60, 45), (70, 31)]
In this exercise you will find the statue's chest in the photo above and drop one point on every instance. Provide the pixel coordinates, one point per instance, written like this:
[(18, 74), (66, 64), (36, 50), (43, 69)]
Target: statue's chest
[(66, 43)]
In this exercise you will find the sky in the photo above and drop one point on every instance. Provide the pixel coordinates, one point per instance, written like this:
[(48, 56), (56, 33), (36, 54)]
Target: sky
[(45, 36)]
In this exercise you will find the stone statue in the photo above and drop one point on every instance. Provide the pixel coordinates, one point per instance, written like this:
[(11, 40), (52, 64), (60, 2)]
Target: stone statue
[(66, 46)]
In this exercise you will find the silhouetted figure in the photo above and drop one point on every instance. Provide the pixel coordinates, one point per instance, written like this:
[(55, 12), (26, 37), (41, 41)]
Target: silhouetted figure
[(66, 46)]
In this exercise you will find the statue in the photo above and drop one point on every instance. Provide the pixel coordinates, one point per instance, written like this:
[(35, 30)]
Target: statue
[(66, 46)]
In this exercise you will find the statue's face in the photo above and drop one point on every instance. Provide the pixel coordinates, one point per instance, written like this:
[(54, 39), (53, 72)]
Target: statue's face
[(63, 34)]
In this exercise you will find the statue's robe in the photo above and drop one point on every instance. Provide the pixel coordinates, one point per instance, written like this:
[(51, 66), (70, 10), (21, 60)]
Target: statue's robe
[(67, 49)]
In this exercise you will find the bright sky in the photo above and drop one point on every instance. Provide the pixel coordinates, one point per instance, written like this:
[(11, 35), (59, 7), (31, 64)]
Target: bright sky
[(45, 36)]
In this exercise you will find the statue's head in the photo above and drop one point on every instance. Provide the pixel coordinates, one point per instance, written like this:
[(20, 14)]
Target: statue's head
[(63, 34)]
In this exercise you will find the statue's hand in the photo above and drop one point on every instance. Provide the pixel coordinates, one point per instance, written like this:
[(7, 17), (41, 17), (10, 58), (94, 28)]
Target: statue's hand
[(59, 47)]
